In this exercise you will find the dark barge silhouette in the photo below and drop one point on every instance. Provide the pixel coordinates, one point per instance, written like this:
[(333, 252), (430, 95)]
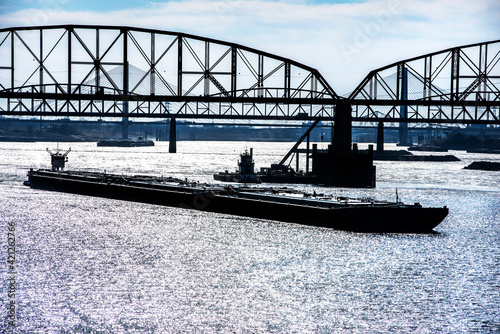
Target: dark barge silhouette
[(340, 165), (349, 169), (281, 204), (125, 142)]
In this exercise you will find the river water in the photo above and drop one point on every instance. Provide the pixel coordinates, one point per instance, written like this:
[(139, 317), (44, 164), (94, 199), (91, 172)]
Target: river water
[(93, 265)]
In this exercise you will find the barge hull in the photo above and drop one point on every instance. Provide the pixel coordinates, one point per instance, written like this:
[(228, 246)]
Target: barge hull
[(359, 218)]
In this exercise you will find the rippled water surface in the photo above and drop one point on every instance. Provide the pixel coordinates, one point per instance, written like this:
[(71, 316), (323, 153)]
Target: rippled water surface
[(93, 265)]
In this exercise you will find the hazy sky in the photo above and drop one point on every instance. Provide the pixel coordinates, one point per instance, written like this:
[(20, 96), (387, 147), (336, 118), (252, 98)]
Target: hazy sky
[(344, 40)]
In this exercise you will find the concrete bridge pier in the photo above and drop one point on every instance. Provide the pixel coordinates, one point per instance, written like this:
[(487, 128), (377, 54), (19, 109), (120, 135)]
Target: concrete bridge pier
[(344, 165), (172, 145), (342, 132), (403, 134), (124, 127), (380, 137)]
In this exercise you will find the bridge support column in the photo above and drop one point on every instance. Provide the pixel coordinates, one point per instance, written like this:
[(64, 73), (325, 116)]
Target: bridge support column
[(403, 134), (172, 145), (342, 128), (124, 127), (380, 137), (125, 102), (403, 127), (307, 152)]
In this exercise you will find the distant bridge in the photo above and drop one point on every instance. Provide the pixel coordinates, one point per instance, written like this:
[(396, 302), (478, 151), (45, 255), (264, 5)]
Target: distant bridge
[(106, 71)]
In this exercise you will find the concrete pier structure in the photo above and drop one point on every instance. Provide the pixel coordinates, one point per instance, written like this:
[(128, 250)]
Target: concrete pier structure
[(342, 132), (172, 145), (380, 137)]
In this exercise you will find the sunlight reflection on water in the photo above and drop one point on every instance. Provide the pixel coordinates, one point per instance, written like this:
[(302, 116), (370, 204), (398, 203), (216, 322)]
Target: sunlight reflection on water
[(95, 265)]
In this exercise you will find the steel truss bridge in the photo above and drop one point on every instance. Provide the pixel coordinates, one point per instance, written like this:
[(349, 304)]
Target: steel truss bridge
[(107, 71)]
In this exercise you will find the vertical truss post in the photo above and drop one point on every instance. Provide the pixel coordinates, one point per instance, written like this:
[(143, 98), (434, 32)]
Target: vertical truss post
[(69, 32), (79, 87), (206, 81), (125, 105), (179, 66), (125, 86), (97, 60), (478, 93), (454, 80), (152, 78), (12, 67), (307, 151), (427, 81), (403, 95), (370, 88), (288, 81), (314, 86), (234, 62), (260, 76), (40, 81), (483, 70)]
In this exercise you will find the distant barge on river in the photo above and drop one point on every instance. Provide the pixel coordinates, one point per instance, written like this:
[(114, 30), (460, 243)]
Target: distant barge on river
[(125, 142)]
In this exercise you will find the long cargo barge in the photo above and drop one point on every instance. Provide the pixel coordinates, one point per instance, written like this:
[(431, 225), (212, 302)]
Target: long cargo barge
[(281, 204)]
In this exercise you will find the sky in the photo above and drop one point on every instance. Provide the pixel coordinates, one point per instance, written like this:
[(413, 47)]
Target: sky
[(343, 39)]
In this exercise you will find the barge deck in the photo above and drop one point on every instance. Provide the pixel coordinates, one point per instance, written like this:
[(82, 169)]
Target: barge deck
[(280, 204)]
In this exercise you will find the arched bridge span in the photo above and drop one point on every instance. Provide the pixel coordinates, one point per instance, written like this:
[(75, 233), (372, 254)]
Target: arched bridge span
[(456, 85), (81, 70)]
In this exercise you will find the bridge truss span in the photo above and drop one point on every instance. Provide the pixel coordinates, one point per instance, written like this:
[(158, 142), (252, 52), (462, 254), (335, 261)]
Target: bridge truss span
[(80, 70), (457, 85), (108, 71)]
